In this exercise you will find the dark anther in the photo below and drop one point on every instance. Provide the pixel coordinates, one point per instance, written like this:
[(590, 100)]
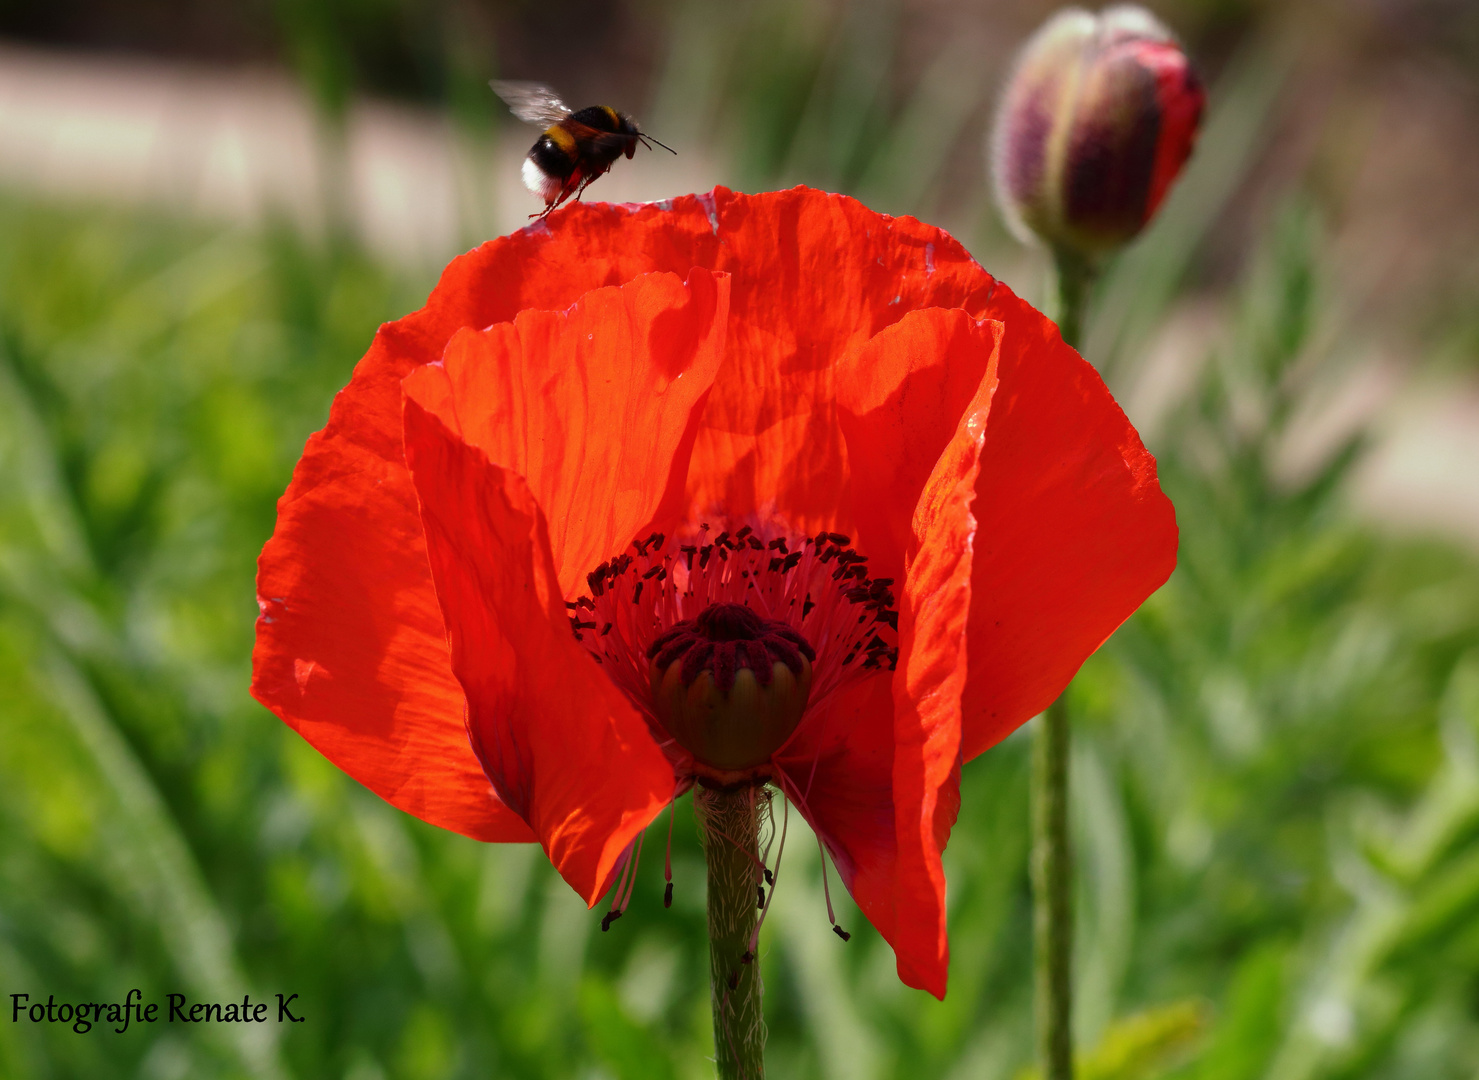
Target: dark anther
[(761, 902), (806, 607), (779, 544), (755, 543), (791, 560), (748, 957), (703, 555), (843, 934), (838, 538), (829, 554), (610, 917), (769, 877), (722, 539), (775, 564), (746, 531), (656, 540), (571, 604), (637, 594), (652, 572), (605, 629), (667, 895)]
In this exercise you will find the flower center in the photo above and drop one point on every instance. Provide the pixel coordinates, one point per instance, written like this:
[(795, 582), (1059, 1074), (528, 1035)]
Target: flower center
[(725, 645), (729, 685)]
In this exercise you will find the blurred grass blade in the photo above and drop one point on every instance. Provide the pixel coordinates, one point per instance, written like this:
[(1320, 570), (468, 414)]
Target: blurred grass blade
[(153, 867)]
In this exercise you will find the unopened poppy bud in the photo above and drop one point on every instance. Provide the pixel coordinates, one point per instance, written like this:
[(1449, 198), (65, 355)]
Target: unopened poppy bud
[(730, 686), (1096, 122)]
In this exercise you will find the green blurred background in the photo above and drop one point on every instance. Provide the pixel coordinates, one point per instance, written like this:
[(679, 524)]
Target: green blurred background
[(1277, 764)]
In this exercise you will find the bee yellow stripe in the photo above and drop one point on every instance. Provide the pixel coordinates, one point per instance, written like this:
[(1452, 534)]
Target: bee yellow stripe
[(562, 138)]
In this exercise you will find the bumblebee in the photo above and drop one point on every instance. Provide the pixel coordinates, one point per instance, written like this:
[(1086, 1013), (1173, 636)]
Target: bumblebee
[(576, 147)]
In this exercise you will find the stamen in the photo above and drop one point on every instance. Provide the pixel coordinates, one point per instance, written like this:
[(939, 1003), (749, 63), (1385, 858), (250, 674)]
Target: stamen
[(785, 822), (616, 909), (667, 862), (827, 892), (632, 878), (816, 588)]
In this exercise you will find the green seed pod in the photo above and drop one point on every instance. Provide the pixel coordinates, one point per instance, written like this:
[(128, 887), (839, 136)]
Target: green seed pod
[(730, 686)]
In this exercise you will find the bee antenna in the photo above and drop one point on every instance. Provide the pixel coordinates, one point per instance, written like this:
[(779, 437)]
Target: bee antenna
[(646, 137)]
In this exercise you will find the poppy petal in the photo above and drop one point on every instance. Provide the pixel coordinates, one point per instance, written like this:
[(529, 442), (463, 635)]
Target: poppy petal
[(838, 770), (1073, 532), (1072, 529), (351, 651), (561, 744), (913, 405), (595, 407), (815, 275)]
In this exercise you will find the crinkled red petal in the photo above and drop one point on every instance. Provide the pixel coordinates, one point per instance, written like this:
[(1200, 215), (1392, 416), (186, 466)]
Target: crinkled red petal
[(596, 406), (814, 276), (591, 410), (1073, 532), (562, 746), (913, 406), (351, 650)]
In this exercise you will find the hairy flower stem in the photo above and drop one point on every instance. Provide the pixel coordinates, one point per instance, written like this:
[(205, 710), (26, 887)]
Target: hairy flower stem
[(1052, 855), (729, 825)]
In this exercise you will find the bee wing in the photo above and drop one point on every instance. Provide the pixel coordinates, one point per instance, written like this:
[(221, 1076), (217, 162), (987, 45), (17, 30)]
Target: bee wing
[(531, 102)]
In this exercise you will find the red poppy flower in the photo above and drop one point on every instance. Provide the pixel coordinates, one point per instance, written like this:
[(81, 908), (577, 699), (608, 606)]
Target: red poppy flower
[(611, 421)]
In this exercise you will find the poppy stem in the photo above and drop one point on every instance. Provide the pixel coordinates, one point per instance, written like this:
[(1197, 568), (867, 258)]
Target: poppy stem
[(1052, 855), (729, 826)]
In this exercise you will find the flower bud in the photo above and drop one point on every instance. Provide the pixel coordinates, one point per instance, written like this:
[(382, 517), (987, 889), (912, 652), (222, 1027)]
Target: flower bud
[(1097, 120)]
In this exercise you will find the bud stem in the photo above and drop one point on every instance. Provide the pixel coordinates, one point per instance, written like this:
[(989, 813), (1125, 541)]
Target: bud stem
[(1075, 278), (1052, 855), (729, 825)]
